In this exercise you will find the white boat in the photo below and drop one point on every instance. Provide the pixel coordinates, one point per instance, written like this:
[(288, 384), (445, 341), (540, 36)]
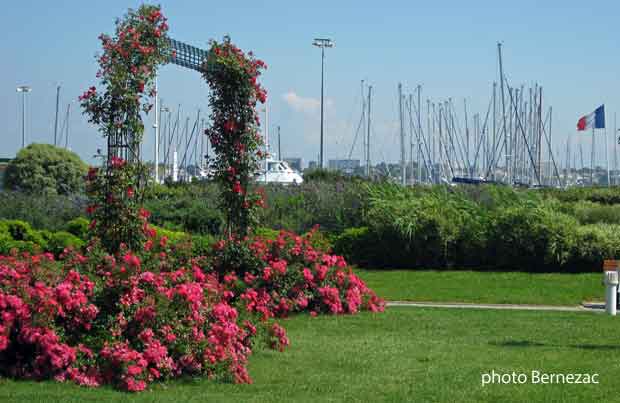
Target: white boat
[(278, 172)]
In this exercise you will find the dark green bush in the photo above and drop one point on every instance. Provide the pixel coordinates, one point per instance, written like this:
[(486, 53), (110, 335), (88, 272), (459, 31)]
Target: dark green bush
[(531, 238), (202, 244), (61, 240), (593, 244), (191, 208), (78, 227), (587, 212), (50, 212), (45, 169), (416, 229), (360, 246), (266, 233)]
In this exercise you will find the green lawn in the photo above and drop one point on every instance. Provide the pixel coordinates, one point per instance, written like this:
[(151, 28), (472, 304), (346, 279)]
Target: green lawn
[(485, 287), (405, 354)]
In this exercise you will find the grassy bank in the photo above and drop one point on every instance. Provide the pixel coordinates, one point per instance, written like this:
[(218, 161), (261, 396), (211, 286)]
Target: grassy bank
[(485, 287), (406, 354)]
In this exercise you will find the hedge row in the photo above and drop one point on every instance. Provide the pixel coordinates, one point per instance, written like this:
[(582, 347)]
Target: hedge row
[(20, 236), (442, 229)]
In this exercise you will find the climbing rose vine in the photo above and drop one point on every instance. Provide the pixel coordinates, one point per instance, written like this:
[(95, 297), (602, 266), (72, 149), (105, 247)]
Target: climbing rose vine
[(232, 76), (127, 70)]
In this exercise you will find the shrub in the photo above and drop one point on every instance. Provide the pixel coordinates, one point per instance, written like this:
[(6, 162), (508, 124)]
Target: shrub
[(266, 233), (419, 231), (587, 212), (593, 244), (61, 240), (202, 244), (45, 169), (360, 245), (125, 320), (136, 317), (531, 238), (78, 227), (323, 175), (277, 277), (43, 211), (186, 211), (22, 231)]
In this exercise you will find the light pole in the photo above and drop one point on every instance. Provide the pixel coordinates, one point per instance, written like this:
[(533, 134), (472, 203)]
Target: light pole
[(24, 89), (322, 43)]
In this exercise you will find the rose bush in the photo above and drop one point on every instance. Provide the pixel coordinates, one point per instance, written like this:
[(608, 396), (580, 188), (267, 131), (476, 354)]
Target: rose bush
[(132, 318), (126, 319), (286, 275)]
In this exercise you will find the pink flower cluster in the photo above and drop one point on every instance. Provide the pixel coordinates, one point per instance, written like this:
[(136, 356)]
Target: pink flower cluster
[(293, 276), (34, 299), (278, 339), (126, 319)]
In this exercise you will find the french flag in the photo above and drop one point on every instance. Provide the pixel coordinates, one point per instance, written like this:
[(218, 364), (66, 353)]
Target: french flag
[(594, 120)]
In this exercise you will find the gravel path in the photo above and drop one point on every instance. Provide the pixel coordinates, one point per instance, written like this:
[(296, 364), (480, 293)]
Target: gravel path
[(585, 307)]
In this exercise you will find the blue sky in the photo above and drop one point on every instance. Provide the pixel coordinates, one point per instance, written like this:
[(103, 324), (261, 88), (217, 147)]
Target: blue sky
[(449, 47)]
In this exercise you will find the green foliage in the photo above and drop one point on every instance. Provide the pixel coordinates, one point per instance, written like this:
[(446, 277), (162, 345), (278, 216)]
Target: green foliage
[(587, 212), (426, 225), (531, 238), (202, 244), (595, 243), (45, 169), (359, 245), (19, 235), (332, 205), (78, 227), (42, 211), (61, 240), (185, 212), (483, 227), (266, 233), (323, 175)]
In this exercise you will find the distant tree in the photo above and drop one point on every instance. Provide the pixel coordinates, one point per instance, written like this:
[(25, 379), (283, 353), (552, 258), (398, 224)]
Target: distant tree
[(44, 168)]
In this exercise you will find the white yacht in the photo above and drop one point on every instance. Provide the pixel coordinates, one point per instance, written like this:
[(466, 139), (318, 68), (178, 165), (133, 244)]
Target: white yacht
[(278, 172)]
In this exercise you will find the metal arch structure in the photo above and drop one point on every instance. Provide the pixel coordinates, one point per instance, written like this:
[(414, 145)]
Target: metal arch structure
[(123, 144), (187, 56)]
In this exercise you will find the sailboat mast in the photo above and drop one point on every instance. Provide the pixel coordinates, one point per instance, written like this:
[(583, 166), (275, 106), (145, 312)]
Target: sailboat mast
[(403, 162)]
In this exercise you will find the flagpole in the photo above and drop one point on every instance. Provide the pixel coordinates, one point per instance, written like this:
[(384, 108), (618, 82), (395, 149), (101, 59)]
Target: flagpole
[(592, 159), (607, 155), (615, 150)]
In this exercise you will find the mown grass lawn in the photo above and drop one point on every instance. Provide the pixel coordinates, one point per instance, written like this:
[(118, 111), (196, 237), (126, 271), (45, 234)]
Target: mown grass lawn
[(405, 354), (485, 287)]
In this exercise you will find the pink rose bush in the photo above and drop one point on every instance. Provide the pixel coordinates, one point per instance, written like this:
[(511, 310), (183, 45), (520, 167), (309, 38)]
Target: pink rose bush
[(277, 277), (124, 319), (131, 318)]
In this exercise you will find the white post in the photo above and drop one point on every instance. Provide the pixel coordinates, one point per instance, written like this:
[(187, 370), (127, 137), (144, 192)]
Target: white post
[(156, 126), (611, 291), (175, 167)]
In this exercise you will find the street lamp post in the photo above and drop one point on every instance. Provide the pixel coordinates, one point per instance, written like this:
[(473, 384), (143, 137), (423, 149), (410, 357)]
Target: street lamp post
[(322, 43), (24, 89)]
